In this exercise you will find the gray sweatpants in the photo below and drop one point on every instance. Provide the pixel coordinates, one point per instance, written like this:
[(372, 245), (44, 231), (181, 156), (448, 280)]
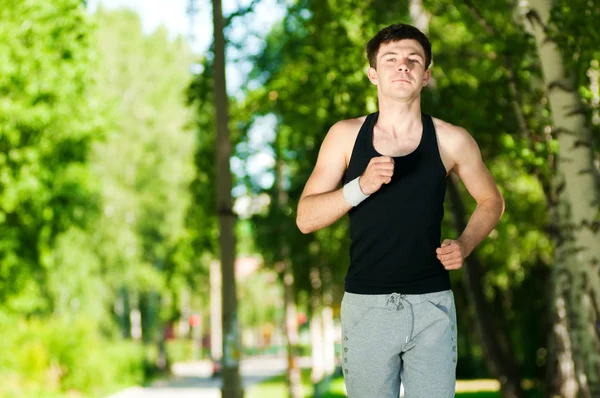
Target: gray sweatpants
[(395, 338)]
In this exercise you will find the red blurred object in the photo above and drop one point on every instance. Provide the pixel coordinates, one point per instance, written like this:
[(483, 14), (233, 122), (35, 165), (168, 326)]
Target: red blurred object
[(216, 368), (169, 332), (194, 321), (301, 318)]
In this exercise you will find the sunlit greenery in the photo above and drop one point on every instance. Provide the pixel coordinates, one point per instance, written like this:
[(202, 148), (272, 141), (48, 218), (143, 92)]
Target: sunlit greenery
[(108, 219)]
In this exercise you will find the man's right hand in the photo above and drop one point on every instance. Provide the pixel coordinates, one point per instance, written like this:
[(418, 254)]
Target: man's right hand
[(379, 171)]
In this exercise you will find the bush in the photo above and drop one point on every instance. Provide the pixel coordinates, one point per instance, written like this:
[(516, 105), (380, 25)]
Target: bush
[(180, 350), (64, 354)]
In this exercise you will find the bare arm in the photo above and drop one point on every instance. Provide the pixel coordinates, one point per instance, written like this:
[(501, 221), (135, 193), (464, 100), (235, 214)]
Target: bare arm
[(322, 202), (480, 184), (469, 167)]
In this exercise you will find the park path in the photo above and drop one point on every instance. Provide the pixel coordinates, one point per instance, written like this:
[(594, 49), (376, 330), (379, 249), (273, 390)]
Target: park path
[(193, 379)]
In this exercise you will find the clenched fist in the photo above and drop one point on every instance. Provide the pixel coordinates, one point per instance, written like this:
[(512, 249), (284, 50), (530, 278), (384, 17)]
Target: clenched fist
[(451, 254), (379, 171)]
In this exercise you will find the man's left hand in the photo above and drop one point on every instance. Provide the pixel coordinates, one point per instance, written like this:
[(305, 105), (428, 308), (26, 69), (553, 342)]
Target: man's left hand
[(451, 254)]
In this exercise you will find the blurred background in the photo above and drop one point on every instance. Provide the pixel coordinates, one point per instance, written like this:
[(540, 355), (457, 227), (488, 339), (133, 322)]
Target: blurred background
[(148, 204)]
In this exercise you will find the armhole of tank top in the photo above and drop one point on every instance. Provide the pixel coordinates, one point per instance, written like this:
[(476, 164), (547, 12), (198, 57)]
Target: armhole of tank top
[(436, 142), (354, 146)]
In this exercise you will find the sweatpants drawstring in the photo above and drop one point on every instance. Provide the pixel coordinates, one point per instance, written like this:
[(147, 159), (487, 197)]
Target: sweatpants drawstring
[(397, 301)]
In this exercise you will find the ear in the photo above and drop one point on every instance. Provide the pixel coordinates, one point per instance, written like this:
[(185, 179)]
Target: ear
[(372, 73), (426, 77)]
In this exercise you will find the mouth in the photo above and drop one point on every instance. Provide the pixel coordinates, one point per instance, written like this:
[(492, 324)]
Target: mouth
[(401, 80)]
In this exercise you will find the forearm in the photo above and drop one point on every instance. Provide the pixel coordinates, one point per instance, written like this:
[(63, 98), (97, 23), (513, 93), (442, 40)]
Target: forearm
[(321, 210), (482, 222)]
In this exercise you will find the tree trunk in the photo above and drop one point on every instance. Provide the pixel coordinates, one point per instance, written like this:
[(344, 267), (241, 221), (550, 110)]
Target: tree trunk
[(232, 385), (123, 310), (560, 368), (294, 378), (216, 317), (561, 381), (420, 19), (497, 355), (317, 335), (579, 267), (466, 322), (328, 325)]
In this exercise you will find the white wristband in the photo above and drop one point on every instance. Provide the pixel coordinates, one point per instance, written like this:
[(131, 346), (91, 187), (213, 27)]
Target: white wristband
[(353, 194)]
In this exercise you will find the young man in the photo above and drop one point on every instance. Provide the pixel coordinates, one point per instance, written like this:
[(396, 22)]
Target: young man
[(398, 313)]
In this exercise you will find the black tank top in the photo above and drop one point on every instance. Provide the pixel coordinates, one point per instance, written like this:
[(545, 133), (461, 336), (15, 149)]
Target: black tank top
[(394, 232)]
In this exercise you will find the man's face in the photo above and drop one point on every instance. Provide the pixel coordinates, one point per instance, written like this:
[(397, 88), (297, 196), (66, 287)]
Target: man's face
[(400, 72)]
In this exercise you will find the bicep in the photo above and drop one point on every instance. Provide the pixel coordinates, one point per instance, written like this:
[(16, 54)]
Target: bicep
[(473, 172), (330, 166)]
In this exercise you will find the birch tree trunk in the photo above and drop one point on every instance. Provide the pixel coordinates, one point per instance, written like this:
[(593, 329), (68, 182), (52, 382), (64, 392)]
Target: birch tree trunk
[(577, 277)]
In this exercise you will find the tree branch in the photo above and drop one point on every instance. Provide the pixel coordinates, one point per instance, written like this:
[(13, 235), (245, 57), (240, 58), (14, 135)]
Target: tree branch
[(508, 70), (241, 12), (480, 19)]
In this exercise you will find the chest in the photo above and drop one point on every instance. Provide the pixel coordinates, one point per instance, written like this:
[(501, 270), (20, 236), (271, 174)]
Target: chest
[(389, 145)]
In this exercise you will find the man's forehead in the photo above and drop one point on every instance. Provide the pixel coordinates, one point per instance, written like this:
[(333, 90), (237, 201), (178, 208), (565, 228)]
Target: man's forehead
[(405, 44)]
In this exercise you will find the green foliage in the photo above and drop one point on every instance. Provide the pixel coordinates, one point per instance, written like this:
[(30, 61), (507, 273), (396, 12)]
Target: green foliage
[(107, 196), (518, 159), (145, 164), (60, 354), (47, 125), (202, 217), (260, 300), (96, 158), (180, 350), (574, 30)]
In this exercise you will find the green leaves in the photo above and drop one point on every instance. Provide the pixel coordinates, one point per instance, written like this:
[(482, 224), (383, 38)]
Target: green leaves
[(46, 126), (95, 154), (145, 162)]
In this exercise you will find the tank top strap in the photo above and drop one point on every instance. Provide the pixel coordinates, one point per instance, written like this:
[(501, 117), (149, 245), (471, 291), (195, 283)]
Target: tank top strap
[(429, 138), (366, 131), (366, 134), (361, 151)]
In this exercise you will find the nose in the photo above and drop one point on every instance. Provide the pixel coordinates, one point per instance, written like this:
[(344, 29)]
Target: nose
[(403, 66)]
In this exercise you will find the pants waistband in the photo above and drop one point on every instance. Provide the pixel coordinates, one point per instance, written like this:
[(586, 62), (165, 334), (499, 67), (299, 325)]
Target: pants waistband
[(383, 300)]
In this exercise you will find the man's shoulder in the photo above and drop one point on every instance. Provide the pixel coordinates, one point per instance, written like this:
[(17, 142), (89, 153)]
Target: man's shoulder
[(342, 136), (345, 131), (448, 129), (450, 134), (453, 139), (347, 126)]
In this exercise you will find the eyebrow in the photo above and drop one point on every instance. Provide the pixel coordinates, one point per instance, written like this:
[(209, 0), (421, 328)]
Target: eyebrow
[(395, 53)]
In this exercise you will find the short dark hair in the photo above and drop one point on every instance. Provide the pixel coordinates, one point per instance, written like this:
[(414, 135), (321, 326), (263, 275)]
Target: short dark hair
[(394, 33)]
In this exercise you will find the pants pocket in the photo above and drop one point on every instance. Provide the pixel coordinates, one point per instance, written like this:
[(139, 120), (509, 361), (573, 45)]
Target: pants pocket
[(351, 315), (444, 304)]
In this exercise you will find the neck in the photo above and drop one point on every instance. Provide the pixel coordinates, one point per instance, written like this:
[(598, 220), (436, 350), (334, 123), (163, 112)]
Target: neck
[(399, 115)]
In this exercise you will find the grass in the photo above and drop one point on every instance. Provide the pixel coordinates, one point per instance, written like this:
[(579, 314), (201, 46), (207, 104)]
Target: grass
[(276, 388)]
